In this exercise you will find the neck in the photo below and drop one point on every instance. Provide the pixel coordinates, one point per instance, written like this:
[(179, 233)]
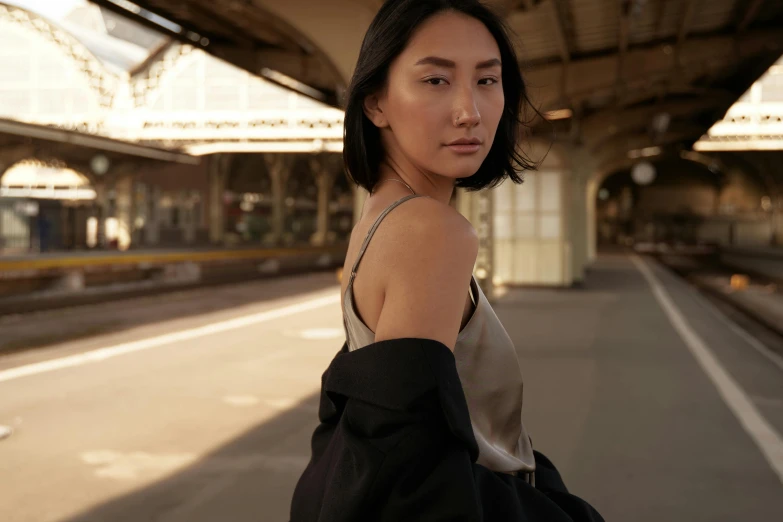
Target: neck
[(436, 187)]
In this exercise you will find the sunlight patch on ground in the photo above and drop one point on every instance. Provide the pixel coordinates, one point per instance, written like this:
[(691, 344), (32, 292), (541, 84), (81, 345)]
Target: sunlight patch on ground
[(128, 466), (316, 334), (241, 400)]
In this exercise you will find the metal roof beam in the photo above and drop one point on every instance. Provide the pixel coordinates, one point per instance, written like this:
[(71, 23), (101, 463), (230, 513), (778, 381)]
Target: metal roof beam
[(641, 129), (682, 35), (617, 122), (685, 23), (660, 16), (223, 26), (625, 29), (113, 7), (716, 96), (506, 7), (592, 79), (214, 23), (94, 142), (503, 7), (562, 43), (751, 12), (560, 35), (246, 51)]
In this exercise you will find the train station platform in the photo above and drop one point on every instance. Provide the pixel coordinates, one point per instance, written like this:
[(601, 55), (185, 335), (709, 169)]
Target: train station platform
[(641, 387), (32, 283), (653, 403)]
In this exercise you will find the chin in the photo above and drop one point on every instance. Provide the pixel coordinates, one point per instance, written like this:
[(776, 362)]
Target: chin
[(466, 170), (461, 168)]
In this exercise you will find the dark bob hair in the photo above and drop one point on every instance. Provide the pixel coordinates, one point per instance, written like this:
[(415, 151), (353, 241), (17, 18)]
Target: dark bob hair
[(387, 36)]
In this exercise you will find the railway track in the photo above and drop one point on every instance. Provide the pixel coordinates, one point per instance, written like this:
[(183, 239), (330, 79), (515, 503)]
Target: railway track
[(752, 300)]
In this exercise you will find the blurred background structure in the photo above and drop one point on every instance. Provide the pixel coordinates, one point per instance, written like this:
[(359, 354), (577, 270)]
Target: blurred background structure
[(151, 150)]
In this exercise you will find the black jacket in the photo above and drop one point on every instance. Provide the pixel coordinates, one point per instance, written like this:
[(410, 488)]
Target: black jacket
[(395, 444)]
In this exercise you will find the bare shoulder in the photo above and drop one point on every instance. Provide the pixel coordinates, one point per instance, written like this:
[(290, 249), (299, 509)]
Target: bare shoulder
[(431, 253), (423, 217)]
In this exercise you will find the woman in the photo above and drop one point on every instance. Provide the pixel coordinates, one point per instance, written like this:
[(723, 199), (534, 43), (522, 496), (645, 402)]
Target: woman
[(421, 410)]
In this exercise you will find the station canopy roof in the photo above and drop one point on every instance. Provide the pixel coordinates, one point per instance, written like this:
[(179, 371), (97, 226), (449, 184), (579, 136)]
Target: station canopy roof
[(631, 73)]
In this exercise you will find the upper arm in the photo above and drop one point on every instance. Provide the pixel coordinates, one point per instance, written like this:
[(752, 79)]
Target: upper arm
[(429, 276)]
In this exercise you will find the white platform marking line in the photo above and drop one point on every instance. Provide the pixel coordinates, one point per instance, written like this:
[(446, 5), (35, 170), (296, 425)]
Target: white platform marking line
[(752, 421), (760, 347), (152, 342)]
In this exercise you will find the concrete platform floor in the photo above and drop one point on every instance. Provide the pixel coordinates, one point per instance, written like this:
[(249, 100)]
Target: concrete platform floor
[(653, 404)]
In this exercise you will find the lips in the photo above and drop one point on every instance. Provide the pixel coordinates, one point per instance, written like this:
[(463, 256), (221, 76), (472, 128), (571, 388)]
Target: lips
[(465, 145), (466, 141)]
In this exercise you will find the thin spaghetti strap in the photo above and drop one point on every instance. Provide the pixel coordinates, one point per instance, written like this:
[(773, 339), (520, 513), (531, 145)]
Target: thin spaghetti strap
[(375, 226)]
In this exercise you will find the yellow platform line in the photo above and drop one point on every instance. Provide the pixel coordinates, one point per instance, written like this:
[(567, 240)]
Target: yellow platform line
[(152, 258)]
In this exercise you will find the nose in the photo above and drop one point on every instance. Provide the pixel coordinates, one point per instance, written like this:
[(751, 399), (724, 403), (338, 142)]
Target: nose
[(466, 113)]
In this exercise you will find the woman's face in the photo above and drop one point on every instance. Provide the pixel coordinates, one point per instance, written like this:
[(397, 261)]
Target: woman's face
[(445, 86)]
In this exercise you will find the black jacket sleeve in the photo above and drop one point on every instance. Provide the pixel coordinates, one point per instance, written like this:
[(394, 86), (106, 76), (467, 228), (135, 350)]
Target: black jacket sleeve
[(395, 443)]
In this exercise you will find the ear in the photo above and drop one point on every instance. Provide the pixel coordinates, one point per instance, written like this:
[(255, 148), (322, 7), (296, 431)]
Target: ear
[(374, 111)]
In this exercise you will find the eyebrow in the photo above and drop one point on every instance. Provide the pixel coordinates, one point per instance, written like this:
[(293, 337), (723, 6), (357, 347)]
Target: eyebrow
[(443, 62)]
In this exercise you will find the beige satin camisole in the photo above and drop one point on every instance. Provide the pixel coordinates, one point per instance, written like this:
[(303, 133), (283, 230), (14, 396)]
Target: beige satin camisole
[(488, 368)]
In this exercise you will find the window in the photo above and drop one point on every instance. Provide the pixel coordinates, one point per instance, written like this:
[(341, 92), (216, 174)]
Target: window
[(531, 210)]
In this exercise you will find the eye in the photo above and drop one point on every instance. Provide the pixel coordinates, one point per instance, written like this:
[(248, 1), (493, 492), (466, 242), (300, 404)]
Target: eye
[(431, 80), (489, 81)]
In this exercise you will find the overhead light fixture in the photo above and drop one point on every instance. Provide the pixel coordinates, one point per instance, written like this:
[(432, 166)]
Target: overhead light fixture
[(646, 152), (558, 114)]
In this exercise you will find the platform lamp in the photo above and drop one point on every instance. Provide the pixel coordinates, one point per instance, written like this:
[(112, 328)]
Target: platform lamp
[(99, 164), (643, 173)]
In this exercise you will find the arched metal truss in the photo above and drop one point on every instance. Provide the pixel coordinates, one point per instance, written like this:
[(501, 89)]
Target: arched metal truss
[(52, 163), (127, 104), (147, 81), (101, 81)]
